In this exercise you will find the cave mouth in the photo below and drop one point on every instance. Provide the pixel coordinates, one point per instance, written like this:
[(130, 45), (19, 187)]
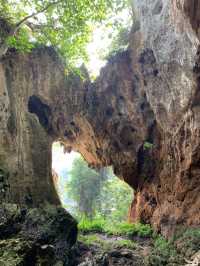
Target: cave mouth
[(85, 192)]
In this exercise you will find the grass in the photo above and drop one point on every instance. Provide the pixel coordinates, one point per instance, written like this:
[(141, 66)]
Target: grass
[(120, 229), (106, 244), (89, 239), (94, 240), (96, 225), (89, 230), (128, 229), (172, 252), (125, 243)]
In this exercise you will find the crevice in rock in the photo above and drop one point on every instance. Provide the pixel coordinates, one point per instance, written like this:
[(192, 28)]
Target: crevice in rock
[(42, 110), (157, 8)]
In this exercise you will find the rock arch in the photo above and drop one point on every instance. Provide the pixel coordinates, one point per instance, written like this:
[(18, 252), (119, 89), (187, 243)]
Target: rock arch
[(114, 121)]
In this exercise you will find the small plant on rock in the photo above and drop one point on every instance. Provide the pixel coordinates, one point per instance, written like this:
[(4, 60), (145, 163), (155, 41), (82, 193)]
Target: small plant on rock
[(147, 145)]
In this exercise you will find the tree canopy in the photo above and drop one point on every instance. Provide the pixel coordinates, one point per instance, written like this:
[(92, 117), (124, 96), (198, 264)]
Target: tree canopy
[(115, 198), (98, 194), (84, 187), (63, 24)]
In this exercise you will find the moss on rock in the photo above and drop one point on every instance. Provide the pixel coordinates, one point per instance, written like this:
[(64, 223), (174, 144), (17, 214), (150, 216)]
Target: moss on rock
[(37, 236)]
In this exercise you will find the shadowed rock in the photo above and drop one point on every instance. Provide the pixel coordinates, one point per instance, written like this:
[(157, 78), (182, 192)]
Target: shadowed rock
[(35, 236)]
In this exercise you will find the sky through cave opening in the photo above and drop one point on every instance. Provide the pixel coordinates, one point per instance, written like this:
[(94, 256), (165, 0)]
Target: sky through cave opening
[(85, 192)]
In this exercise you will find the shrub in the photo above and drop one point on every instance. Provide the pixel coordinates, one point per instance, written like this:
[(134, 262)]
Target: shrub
[(163, 253), (96, 225), (188, 242), (130, 230)]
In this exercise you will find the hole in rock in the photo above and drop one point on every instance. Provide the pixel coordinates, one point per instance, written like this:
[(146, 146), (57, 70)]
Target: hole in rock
[(86, 193), (109, 111), (42, 110)]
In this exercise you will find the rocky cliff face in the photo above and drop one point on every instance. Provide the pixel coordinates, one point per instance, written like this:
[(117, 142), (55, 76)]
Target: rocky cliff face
[(25, 154), (141, 115), (170, 69)]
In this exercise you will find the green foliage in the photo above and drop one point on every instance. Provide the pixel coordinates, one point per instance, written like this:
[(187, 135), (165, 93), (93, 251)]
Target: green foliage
[(173, 252), (88, 239), (122, 27), (96, 225), (11, 250), (100, 225), (116, 197), (119, 43), (147, 145), (125, 243), (20, 42), (129, 229), (98, 194), (5, 27), (163, 246), (163, 253), (188, 241), (84, 187), (106, 243), (96, 240), (65, 25)]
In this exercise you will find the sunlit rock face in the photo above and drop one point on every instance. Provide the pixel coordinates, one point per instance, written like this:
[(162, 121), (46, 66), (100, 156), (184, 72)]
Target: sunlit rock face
[(141, 115)]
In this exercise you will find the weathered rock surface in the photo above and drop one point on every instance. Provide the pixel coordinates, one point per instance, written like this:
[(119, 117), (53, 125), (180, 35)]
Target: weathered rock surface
[(94, 255), (141, 115), (170, 69), (25, 141), (36, 236)]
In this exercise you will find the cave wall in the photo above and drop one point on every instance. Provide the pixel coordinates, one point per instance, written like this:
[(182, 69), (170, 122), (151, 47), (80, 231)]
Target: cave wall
[(141, 116), (25, 153), (169, 63)]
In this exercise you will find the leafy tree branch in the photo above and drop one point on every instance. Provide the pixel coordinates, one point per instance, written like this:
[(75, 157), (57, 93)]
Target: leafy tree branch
[(34, 14), (65, 25)]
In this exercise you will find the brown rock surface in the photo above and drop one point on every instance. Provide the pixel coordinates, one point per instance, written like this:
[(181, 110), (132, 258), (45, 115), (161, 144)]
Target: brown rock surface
[(141, 116)]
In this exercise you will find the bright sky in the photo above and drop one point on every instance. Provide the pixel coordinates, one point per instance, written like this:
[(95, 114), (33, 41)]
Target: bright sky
[(61, 160), (95, 62), (101, 40)]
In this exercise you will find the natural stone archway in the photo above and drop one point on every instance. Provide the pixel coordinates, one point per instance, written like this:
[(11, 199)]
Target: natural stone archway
[(141, 116), (99, 120)]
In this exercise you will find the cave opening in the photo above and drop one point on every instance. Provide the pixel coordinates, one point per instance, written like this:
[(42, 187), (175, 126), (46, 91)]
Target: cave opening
[(87, 193)]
